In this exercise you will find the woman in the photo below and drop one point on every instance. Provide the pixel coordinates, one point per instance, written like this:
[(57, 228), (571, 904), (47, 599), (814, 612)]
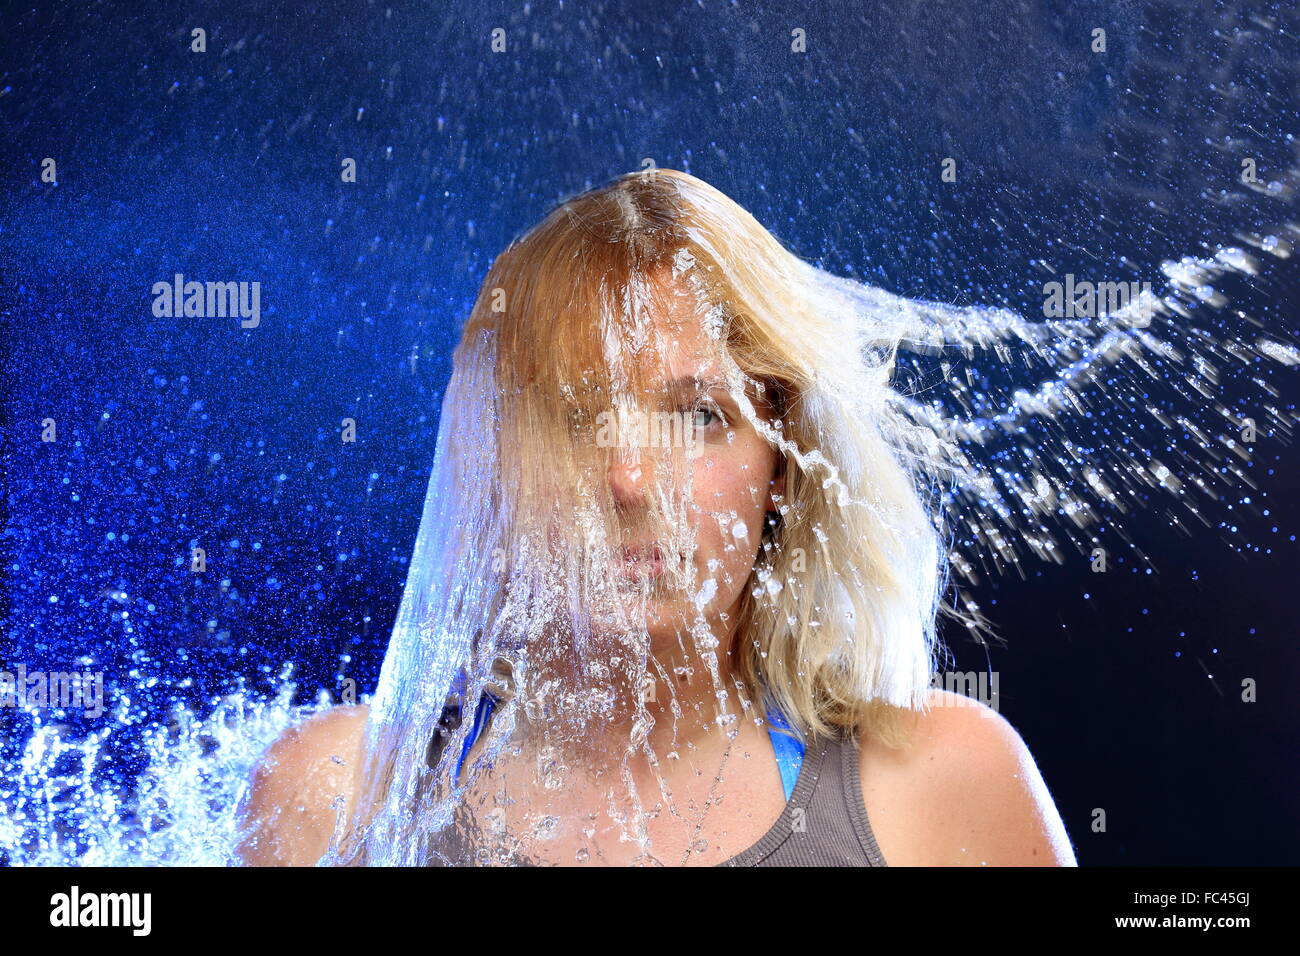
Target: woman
[(673, 598)]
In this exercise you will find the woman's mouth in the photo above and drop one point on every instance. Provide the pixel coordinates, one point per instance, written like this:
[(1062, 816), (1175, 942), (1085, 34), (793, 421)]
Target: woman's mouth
[(645, 561)]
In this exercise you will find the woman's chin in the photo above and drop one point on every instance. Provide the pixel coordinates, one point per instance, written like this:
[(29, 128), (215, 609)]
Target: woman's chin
[(660, 619), (670, 624)]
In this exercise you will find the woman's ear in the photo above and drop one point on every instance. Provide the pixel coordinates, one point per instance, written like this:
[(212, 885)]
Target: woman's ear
[(777, 486)]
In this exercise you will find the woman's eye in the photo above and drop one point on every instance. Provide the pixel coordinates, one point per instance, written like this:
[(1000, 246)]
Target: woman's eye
[(704, 416)]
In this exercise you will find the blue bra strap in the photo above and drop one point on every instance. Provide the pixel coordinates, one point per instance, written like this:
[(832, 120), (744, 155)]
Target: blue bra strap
[(485, 705), (789, 750)]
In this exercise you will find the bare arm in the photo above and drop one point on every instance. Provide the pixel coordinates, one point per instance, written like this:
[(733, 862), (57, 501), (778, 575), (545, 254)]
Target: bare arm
[(289, 814), (966, 792)]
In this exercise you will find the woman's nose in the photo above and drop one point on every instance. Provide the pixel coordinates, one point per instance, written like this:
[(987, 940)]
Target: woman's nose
[(627, 480)]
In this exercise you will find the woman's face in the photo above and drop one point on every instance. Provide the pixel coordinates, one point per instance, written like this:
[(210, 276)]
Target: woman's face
[(732, 476)]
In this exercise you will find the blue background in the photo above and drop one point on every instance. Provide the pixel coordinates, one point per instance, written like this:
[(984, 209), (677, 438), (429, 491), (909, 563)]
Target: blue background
[(225, 166)]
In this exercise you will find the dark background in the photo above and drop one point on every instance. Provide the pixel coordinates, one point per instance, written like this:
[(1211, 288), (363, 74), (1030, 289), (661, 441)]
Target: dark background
[(225, 166)]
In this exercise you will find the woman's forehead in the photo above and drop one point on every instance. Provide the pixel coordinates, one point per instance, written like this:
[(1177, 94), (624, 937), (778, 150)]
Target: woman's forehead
[(655, 335), (679, 358), (677, 341)]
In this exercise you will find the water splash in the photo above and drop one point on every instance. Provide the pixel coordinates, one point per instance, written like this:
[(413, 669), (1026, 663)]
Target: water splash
[(1038, 424), (1043, 423), (64, 801), (1027, 468)]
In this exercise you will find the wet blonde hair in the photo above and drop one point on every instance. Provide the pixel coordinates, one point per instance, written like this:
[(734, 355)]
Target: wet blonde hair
[(838, 618)]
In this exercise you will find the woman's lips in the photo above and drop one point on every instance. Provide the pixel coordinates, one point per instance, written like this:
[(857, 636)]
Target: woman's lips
[(642, 562)]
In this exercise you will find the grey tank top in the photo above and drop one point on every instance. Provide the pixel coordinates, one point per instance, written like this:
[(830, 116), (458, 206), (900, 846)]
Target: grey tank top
[(824, 823)]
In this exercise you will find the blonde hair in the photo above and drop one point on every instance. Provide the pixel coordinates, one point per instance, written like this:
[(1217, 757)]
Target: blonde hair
[(838, 618)]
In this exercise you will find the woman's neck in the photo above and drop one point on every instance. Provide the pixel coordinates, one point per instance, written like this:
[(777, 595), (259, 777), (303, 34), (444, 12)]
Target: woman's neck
[(687, 696)]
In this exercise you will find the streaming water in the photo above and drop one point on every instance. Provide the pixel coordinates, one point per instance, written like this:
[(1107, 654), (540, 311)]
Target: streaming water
[(585, 571)]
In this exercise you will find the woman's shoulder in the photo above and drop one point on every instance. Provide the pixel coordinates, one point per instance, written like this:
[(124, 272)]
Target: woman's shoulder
[(963, 791), (302, 784)]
